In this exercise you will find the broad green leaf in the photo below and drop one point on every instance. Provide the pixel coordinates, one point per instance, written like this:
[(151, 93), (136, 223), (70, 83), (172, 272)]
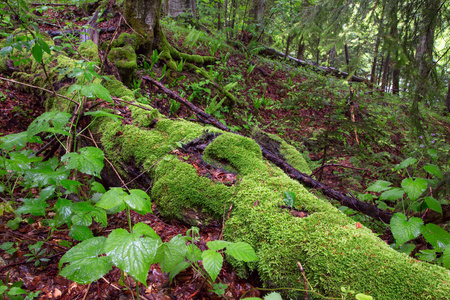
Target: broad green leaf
[(87, 91), (434, 170), (14, 291), (446, 257), (20, 161), (73, 87), (3, 289), (212, 262), (143, 229), (172, 253), (46, 193), (6, 51), (404, 229), (433, 153), (406, 163), (63, 208), (131, 253), (43, 176), (113, 199), (80, 233), (379, 186), (81, 219), (85, 263), (44, 45), (102, 113), (88, 161), (427, 255), (85, 210), (37, 53), (101, 92), (17, 140), (242, 251), (70, 185), (273, 296), (217, 245), (289, 198), (98, 187), (193, 253), (406, 248), (53, 122), (392, 194), (178, 268), (436, 236), (139, 201), (433, 204), (414, 187), (33, 206)]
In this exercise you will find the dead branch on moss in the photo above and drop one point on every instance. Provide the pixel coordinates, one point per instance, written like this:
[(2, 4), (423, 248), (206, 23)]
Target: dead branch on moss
[(39, 88), (353, 203), (328, 70)]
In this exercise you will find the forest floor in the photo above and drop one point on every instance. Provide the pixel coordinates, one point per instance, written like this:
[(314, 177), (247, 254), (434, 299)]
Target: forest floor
[(19, 107)]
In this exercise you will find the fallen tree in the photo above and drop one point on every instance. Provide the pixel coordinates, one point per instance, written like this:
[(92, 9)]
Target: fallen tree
[(333, 249)]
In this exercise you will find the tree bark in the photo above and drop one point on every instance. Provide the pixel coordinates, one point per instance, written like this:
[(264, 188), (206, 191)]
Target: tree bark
[(301, 49)]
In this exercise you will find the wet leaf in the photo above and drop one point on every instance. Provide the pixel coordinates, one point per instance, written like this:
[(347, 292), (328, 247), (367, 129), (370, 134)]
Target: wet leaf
[(139, 201), (53, 122), (33, 206), (212, 262), (242, 251), (80, 233), (172, 253), (289, 198), (131, 253), (414, 187), (404, 229), (438, 237), (113, 200), (379, 186), (85, 263), (88, 161), (217, 245)]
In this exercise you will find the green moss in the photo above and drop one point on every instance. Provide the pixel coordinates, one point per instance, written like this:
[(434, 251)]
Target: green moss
[(178, 188), (125, 60), (118, 89), (89, 50)]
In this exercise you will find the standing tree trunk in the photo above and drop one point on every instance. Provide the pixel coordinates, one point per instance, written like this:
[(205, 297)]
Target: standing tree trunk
[(386, 69), (374, 64), (424, 53), (288, 43), (301, 49), (447, 100), (219, 8)]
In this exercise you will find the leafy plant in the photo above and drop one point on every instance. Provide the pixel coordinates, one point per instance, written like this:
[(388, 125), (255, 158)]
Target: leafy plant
[(14, 291), (410, 197)]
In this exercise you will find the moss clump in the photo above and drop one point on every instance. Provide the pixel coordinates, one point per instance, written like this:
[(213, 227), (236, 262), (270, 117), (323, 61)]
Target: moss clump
[(89, 50), (125, 60), (117, 89)]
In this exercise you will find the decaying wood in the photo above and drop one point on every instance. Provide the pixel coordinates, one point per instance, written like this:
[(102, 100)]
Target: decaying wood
[(329, 70), (54, 33), (91, 30), (353, 203)]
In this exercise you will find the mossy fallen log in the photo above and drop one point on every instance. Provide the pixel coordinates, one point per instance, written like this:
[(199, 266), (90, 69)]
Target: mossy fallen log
[(332, 249)]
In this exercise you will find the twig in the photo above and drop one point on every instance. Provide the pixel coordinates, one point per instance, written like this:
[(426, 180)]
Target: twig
[(304, 279), (338, 165), (224, 221), (87, 291), (112, 166), (39, 88)]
